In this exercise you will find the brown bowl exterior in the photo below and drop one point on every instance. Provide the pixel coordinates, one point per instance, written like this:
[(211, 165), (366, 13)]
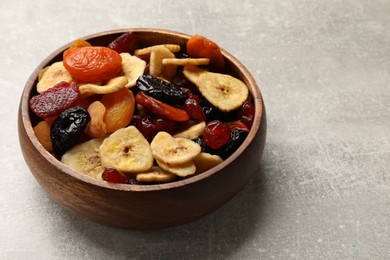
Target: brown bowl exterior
[(143, 206)]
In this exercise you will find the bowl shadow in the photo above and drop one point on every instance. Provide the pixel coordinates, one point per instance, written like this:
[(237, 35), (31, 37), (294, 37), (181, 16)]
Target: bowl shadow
[(216, 236)]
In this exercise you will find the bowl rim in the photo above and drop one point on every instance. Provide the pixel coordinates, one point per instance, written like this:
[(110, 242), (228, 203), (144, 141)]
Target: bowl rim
[(27, 125)]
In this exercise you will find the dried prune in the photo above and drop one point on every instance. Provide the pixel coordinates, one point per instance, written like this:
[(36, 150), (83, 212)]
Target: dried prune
[(182, 82), (55, 100), (161, 90), (213, 113), (237, 137), (68, 128), (203, 146)]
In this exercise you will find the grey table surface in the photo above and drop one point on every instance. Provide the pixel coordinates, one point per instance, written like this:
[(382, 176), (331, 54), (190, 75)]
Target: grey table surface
[(323, 190)]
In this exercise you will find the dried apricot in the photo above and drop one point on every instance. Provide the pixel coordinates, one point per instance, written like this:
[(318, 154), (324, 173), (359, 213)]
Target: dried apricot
[(96, 128), (42, 132), (92, 63), (201, 47), (80, 43), (119, 109)]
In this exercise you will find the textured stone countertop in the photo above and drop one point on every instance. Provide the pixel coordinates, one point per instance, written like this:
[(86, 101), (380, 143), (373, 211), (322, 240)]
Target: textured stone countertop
[(323, 190)]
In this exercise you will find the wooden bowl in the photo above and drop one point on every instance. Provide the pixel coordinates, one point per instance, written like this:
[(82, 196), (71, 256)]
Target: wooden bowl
[(143, 206)]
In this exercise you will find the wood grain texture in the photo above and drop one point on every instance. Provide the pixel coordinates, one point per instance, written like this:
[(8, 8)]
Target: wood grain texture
[(143, 206)]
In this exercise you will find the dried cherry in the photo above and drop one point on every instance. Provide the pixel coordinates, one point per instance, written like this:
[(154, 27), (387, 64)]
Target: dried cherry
[(246, 113), (127, 42), (55, 100), (68, 128), (111, 174), (161, 90), (194, 109), (150, 125), (216, 134)]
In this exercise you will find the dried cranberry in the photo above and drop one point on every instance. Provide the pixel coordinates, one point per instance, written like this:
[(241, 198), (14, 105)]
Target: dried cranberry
[(127, 42), (55, 100), (194, 109), (161, 90), (216, 134), (111, 174), (246, 113), (68, 128), (150, 125)]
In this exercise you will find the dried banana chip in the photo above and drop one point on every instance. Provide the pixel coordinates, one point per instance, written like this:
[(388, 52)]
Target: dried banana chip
[(206, 161), (84, 158), (127, 150), (157, 68), (50, 76), (181, 170), (113, 85), (223, 91), (132, 67), (156, 174), (192, 132), (173, 151), (148, 50), (192, 72), (186, 61)]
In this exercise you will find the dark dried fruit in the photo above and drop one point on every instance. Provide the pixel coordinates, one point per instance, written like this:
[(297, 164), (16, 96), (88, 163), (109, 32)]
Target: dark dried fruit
[(161, 90), (237, 137), (216, 134), (182, 82), (111, 174), (68, 128), (201, 142), (213, 113), (194, 109), (127, 42), (55, 100), (150, 125)]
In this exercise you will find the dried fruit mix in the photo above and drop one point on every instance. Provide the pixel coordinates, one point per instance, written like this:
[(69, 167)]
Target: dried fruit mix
[(132, 115)]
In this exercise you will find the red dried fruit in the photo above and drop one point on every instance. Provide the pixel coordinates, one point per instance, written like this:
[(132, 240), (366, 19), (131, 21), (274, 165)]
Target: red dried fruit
[(237, 125), (150, 125), (194, 109), (216, 134), (159, 108), (55, 100), (127, 42), (111, 174), (246, 113)]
